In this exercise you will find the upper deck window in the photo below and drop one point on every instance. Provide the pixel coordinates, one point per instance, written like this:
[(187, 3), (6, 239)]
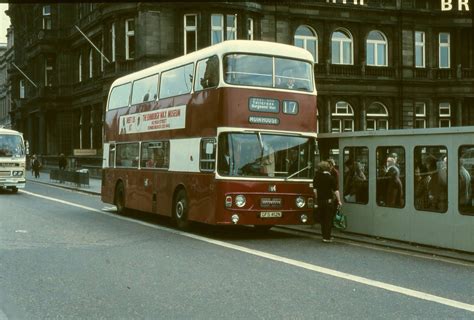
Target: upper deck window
[(145, 89), (119, 96), (265, 71), (177, 81), (207, 73)]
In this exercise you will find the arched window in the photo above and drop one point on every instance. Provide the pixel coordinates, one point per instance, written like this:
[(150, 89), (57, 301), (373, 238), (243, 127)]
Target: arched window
[(342, 117), (377, 117), (306, 38), (342, 49), (377, 49)]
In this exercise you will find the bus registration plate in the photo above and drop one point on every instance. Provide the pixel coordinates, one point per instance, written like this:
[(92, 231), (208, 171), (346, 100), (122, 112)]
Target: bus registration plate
[(270, 214)]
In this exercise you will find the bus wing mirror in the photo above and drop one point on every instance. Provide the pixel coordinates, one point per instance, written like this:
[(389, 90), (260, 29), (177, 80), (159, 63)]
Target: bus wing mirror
[(27, 147)]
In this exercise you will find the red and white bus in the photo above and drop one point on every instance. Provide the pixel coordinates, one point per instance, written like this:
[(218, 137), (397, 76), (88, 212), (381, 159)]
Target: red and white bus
[(224, 135)]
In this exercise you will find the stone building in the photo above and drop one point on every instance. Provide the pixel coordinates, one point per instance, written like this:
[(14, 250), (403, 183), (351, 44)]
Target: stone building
[(4, 116), (380, 64), (6, 56)]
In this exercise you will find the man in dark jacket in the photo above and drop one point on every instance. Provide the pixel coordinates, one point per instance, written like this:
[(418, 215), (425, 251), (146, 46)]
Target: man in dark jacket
[(325, 189), (62, 163), (36, 165)]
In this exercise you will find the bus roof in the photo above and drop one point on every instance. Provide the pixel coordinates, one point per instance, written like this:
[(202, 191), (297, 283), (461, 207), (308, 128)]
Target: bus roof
[(9, 131), (242, 46)]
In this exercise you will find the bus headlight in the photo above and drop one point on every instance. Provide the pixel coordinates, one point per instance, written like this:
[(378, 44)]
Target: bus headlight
[(300, 202), (304, 218), (17, 173), (240, 200)]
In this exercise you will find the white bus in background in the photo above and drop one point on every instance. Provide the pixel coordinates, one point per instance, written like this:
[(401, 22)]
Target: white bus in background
[(12, 160)]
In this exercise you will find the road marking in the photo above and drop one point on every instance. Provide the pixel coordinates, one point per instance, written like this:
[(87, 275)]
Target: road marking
[(292, 262)]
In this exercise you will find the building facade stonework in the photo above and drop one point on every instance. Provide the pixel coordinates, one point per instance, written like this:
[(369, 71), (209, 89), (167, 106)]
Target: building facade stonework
[(378, 64), (4, 110)]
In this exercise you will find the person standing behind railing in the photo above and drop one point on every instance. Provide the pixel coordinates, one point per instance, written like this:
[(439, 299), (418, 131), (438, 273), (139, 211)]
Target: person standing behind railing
[(62, 163), (36, 166)]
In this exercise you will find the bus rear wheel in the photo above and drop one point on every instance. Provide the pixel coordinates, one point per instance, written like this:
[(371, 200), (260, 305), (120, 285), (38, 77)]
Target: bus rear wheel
[(180, 210), (120, 198)]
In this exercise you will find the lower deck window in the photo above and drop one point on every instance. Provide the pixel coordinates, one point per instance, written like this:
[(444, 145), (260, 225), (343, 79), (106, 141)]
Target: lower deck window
[(465, 181), (431, 176), (391, 176), (155, 154), (356, 175), (127, 155)]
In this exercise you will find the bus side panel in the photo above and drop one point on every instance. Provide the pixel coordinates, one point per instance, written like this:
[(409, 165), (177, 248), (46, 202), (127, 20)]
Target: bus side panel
[(199, 189), (135, 198), (463, 237), (202, 112), (108, 185), (143, 195)]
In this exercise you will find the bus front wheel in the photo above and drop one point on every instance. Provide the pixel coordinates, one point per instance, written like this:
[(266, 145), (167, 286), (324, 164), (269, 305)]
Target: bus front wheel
[(120, 198), (180, 210)]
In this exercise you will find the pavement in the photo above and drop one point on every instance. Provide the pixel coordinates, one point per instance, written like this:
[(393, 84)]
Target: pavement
[(94, 188)]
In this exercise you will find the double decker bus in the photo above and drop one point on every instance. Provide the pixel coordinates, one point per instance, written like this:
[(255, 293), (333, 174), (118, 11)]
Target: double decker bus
[(225, 135), (12, 160)]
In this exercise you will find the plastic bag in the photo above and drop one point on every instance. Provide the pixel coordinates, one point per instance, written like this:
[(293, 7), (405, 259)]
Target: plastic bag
[(340, 220)]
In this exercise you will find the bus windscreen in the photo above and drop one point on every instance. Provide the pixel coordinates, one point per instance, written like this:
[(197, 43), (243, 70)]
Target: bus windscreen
[(265, 155), (11, 146)]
